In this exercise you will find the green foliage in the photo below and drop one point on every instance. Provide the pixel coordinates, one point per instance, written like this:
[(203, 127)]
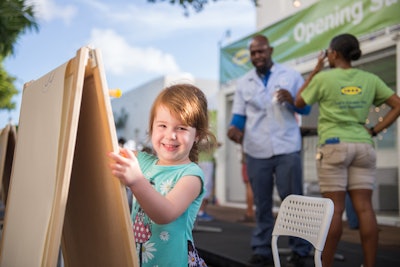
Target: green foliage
[(197, 5), (7, 89), (15, 18)]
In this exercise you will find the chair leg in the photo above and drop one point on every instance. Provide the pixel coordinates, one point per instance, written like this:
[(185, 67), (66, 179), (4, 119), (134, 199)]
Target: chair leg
[(317, 258), (275, 251)]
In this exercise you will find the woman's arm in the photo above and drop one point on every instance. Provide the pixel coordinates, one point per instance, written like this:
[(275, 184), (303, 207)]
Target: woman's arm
[(299, 101), (390, 117)]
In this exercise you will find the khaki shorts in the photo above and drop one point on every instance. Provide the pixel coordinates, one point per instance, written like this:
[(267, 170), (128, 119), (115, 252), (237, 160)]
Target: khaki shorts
[(346, 166)]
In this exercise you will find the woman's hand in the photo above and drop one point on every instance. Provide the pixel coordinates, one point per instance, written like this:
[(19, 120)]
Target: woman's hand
[(321, 61)]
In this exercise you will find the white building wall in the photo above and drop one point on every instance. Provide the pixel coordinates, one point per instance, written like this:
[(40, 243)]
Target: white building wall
[(136, 103)]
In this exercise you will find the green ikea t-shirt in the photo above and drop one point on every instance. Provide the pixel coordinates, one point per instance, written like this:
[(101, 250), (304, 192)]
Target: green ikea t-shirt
[(345, 97)]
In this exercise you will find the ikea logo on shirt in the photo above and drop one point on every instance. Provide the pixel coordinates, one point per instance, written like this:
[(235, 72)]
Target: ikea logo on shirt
[(351, 90)]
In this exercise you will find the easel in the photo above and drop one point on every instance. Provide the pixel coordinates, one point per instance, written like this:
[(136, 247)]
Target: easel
[(61, 189), (8, 138)]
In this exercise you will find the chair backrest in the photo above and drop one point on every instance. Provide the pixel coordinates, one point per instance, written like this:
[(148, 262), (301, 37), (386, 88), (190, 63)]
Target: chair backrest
[(305, 217)]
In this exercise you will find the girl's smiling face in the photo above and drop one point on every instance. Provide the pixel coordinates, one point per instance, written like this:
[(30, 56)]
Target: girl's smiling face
[(172, 140)]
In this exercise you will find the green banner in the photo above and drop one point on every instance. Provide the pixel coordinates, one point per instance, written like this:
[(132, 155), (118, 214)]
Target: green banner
[(311, 30)]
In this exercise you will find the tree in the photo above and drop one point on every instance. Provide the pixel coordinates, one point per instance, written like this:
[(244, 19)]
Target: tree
[(16, 16), (7, 89), (197, 5)]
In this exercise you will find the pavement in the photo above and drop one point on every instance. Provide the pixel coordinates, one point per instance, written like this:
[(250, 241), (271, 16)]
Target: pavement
[(226, 242)]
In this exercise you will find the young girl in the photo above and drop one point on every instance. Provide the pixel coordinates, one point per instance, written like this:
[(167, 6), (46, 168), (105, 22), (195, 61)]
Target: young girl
[(168, 187)]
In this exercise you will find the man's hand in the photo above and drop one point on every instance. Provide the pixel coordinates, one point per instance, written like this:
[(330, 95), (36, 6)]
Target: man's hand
[(283, 95), (235, 134)]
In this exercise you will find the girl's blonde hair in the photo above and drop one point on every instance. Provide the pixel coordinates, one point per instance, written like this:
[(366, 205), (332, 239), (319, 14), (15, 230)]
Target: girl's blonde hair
[(189, 104)]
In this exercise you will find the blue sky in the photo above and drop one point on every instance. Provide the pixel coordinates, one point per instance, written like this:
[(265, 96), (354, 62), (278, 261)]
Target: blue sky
[(139, 41)]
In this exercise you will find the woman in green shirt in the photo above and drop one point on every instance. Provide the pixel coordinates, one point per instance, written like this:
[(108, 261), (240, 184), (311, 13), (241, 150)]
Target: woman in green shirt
[(346, 159)]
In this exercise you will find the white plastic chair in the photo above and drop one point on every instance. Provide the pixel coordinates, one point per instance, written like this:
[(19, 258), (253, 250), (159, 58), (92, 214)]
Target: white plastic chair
[(305, 217)]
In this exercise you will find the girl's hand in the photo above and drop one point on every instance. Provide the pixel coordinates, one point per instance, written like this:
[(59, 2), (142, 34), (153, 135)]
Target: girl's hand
[(125, 166)]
